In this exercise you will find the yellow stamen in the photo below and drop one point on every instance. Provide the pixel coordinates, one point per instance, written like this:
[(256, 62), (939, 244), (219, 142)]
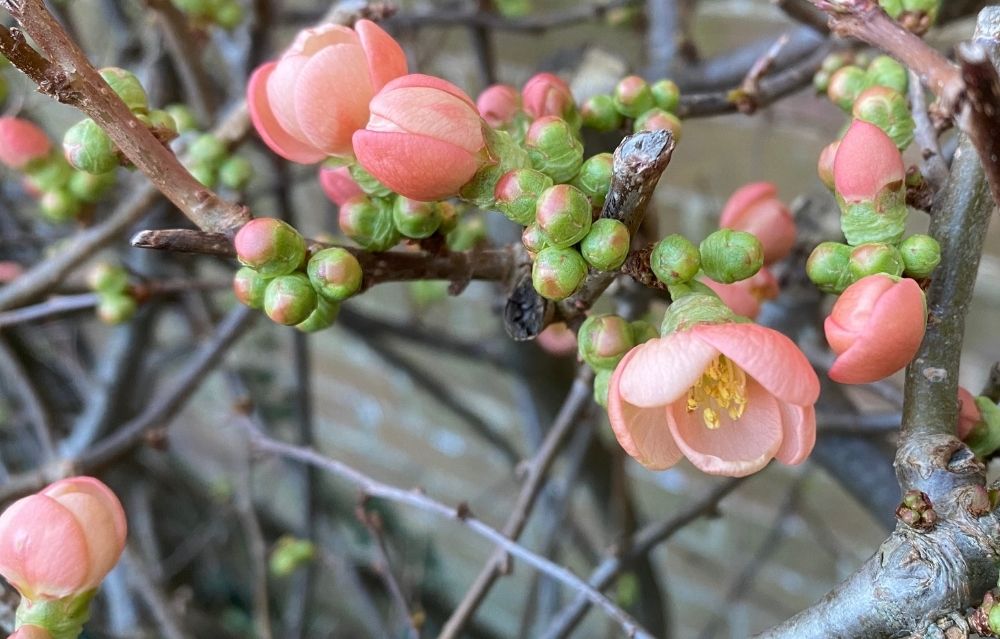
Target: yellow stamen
[(722, 388)]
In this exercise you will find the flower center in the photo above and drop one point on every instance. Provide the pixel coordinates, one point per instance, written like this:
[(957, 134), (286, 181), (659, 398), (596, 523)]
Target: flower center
[(722, 388)]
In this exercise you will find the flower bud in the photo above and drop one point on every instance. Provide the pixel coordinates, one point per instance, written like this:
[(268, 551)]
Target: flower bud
[(675, 259), (22, 143), (846, 84), (875, 328), (547, 94), (602, 381), (89, 187), (116, 309), (498, 104), (236, 172), (643, 331), (994, 620), (249, 287), (659, 120), (289, 299), (335, 273), (107, 278), (322, 317), (367, 182), (270, 246), (833, 61), (869, 179), (594, 178), (829, 267), (603, 340), (127, 87), (59, 205), (821, 81), (969, 415), (554, 148), (30, 632), (415, 219), (369, 223), (599, 113), (887, 110), (755, 208), (517, 193), (746, 296), (606, 246), (825, 165), (984, 436), (289, 554), (337, 184), (693, 309), (633, 97), (533, 238), (666, 94), (893, 7), (558, 272), (505, 155), (88, 148), (469, 233), (921, 255), (205, 174), (229, 14), (563, 215), (557, 340), (728, 256), (208, 150), (184, 118), (875, 257), (886, 72)]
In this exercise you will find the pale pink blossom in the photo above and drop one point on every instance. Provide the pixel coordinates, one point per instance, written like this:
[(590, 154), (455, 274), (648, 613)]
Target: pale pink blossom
[(63, 540), (547, 94), (875, 328), (308, 104), (21, 142), (755, 208), (498, 104), (337, 184), (969, 415), (729, 397), (746, 296)]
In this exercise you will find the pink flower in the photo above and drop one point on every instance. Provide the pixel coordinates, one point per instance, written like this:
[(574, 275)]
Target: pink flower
[(969, 415), (424, 138), (755, 208), (875, 328), (309, 103), (745, 297), (63, 540), (498, 104), (338, 184), (30, 632), (867, 162), (547, 94), (21, 142), (729, 397)]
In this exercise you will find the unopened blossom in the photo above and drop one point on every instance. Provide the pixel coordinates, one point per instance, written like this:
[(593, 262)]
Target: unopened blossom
[(557, 340), (498, 104), (746, 296), (63, 540), (875, 328), (308, 103), (337, 184), (969, 414), (548, 94), (755, 208), (729, 397), (21, 143)]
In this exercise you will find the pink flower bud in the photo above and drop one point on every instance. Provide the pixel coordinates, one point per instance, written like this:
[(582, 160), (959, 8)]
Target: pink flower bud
[(557, 340), (745, 296), (21, 143), (309, 103), (498, 104), (424, 138), (875, 328), (9, 271), (30, 632), (338, 184), (867, 162), (547, 94), (755, 208), (969, 415), (824, 167), (62, 541)]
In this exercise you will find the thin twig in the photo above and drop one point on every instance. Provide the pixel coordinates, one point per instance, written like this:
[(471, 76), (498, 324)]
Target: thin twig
[(747, 94), (373, 522), (33, 405), (256, 547), (168, 622), (933, 168)]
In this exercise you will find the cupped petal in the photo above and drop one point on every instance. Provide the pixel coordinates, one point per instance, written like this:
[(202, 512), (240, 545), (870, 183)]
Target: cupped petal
[(97, 489), (742, 199), (313, 40), (767, 356), (281, 93), (270, 130), (798, 433), (737, 447), (428, 82), (428, 111), (641, 432), (386, 60), (435, 170), (662, 370), (100, 533), (331, 97)]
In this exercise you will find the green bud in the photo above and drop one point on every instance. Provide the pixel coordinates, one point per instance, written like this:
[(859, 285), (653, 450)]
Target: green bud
[(127, 86), (993, 619), (666, 94), (249, 287), (164, 124), (554, 148), (893, 7), (195, 8), (415, 219), (470, 232), (558, 272), (322, 317), (875, 257), (833, 62), (606, 246), (643, 331), (599, 113), (88, 148), (885, 71), (50, 173), (89, 187), (208, 150), (516, 194), (289, 554), (928, 8), (563, 214), (107, 278), (695, 308), (369, 223), (594, 178), (729, 256), (633, 97), (887, 110), (368, 182), (449, 217), (116, 308), (425, 293), (603, 340), (271, 246), (829, 267), (335, 273), (289, 299), (881, 220), (821, 81), (984, 439), (675, 259), (204, 173), (921, 254), (846, 84), (533, 238), (229, 15), (506, 155), (602, 381), (659, 120), (59, 205), (183, 116), (236, 172)]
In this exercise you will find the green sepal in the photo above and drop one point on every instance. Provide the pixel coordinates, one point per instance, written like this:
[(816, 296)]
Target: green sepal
[(504, 154), (695, 308), (62, 618)]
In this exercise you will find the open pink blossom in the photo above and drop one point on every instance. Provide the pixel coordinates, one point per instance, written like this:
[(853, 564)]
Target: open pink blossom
[(30, 632), (498, 104), (547, 94), (755, 208), (338, 184), (867, 162), (969, 415), (424, 138), (63, 540), (308, 104), (745, 297), (729, 397), (21, 142), (875, 328)]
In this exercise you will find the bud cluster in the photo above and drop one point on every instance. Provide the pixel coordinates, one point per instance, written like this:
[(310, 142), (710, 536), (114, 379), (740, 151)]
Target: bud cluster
[(651, 107), (916, 511), (916, 15), (116, 300), (211, 163)]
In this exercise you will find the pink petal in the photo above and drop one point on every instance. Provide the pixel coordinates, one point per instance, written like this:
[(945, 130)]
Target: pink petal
[(737, 296), (331, 97), (386, 60), (642, 432), (742, 199), (969, 415), (767, 356), (798, 433), (100, 515), (415, 166), (430, 112), (338, 185), (736, 448), (21, 142), (311, 41), (281, 93), (100, 491), (274, 136), (662, 370), (867, 161), (431, 82)]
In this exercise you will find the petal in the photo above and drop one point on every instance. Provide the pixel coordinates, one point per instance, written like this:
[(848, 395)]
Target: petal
[(430, 112), (338, 185), (737, 296), (386, 60), (100, 534), (867, 161), (742, 199), (642, 432), (331, 97), (281, 93), (415, 166), (767, 356), (428, 82), (735, 448), (798, 433), (275, 137), (308, 42), (100, 491), (664, 369)]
